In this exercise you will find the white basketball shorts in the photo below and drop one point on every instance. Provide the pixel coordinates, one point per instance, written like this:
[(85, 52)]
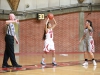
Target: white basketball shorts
[(89, 45), (48, 45)]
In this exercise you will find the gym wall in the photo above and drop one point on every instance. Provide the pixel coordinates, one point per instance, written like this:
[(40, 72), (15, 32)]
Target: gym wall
[(66, 33)]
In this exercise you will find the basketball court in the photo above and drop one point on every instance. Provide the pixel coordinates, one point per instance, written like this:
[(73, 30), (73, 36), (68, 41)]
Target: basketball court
[(70, 17), (66, 64)]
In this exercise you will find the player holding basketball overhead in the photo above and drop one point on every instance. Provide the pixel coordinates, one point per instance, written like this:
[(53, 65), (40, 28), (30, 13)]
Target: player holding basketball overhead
[(88, 42), (48, 43)]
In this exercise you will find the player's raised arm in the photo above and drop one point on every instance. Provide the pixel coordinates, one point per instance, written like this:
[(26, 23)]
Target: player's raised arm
[(46, 28), (55, 23)]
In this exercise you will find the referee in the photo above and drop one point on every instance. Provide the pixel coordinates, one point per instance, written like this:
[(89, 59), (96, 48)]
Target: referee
[(9, 43)]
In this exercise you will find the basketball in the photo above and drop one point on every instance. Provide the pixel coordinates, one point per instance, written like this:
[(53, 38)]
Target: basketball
[(50, 16)]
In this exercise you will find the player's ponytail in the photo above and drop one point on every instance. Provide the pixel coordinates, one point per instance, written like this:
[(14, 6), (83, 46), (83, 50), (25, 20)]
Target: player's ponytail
[(44, 36), (90, 23)]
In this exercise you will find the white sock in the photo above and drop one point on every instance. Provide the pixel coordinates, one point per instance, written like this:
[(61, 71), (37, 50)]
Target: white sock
[(53, 59), (43, 59)]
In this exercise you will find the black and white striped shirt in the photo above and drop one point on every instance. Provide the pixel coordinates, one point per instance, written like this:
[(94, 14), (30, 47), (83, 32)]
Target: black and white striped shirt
[(10, 29)]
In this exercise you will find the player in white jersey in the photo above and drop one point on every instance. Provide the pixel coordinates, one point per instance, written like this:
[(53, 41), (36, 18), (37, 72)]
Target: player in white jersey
[(48, 41), (88, 45)]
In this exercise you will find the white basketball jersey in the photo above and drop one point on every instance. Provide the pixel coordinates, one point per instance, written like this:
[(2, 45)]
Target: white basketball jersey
[(49, 34), (88, 33)]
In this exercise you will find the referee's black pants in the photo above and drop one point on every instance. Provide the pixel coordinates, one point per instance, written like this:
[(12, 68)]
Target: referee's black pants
[(9, 51)]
